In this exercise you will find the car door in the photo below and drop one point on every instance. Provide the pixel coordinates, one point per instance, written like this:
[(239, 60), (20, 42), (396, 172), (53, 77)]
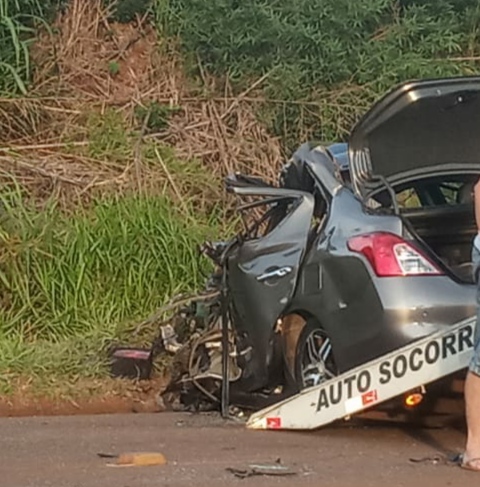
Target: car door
[(263, 270)]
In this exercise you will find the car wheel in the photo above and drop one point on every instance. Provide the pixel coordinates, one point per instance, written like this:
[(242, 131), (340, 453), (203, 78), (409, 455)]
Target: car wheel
[(314, 361)]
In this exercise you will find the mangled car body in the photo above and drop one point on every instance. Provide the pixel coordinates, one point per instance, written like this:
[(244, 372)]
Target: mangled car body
[(361, 248)]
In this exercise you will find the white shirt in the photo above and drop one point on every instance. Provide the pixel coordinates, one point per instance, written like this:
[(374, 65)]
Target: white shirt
[(476, 241)]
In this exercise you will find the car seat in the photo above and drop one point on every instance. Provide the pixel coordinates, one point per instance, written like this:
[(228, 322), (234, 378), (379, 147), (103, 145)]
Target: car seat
[(465, 270), (465, 194)]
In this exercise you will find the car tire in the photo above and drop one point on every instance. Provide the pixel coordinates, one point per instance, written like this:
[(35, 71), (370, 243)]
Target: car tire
[(314, 359)]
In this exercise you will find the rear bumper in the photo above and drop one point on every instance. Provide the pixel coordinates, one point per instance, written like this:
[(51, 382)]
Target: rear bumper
[(415, 307), (436, 298), (395, 312)]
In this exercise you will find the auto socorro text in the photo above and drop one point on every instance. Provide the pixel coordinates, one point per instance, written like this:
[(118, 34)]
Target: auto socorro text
[(363, 385)]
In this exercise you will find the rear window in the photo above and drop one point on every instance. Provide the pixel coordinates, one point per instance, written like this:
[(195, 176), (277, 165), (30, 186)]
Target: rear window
[(451, 191)]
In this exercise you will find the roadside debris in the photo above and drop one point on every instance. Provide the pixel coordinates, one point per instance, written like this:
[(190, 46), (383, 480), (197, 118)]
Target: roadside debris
[(131, 363), (137, 363), (168, 337), (139, 459), (451, 460), (435, 460), (272, 469)]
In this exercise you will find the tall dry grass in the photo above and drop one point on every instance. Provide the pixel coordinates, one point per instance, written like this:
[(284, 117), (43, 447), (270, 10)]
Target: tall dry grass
[(88, 66)]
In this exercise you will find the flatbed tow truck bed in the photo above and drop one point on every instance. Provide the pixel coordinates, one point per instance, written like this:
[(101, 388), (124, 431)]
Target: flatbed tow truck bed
[(358, 390)]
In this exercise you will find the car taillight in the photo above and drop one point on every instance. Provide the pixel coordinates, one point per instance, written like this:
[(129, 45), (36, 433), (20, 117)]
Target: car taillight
[(391, 256)]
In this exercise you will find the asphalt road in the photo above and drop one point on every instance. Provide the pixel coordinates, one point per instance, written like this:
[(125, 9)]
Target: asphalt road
[(62, 451)]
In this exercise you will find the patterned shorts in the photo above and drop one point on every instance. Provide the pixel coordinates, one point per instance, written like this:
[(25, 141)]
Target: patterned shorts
[(475, 362)]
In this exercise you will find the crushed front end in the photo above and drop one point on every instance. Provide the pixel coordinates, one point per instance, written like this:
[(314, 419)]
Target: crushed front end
[(234, 351)]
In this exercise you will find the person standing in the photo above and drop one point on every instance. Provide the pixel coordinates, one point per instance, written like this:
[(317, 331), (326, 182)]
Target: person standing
[(471, 457)]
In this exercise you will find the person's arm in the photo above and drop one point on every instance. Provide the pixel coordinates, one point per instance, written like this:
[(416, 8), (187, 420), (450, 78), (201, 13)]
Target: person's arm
[(476, 198)]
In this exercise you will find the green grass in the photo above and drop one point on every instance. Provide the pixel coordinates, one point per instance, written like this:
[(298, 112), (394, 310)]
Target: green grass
[(44, 363), (71, 283), (19, 20), (108, 136), (328, 47), (75, 278), (62, 275)]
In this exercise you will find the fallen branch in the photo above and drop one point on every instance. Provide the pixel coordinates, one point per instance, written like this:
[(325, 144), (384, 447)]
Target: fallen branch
[(172, 182), (463, 58), (245, 93), (42, 172), (54, 145)]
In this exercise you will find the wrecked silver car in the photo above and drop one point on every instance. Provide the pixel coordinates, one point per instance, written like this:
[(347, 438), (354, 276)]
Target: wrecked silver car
[(361, 248)]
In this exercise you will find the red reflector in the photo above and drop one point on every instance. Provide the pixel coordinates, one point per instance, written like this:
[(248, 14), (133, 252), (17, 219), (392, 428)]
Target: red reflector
[(391, 256), (274, 423), (369, 397)]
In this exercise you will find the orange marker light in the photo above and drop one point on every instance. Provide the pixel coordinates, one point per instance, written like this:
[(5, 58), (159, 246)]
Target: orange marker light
[(413, 400)]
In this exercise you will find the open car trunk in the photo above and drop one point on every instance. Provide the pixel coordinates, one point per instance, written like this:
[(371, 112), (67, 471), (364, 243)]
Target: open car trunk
[(423, 135), (447, 234), (419, 129)]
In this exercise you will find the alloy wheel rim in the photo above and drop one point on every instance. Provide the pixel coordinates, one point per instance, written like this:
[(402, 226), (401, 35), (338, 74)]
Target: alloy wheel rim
[(317, 359)]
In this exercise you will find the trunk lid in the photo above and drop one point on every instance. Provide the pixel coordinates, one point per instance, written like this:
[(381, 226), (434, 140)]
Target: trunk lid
[(419, 129)]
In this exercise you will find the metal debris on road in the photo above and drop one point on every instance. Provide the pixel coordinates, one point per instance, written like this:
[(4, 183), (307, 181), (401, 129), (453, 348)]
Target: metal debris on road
[(275, 469), (437, 460)]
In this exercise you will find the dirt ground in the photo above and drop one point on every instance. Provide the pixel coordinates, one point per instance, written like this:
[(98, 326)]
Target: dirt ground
[(20, 406), (62, 452), (109, 396)]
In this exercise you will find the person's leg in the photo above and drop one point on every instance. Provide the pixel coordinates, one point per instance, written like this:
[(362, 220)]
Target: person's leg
[(472, 402), (471, 457)]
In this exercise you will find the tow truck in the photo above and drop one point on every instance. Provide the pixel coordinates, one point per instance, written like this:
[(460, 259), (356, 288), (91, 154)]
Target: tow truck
[(404, 371)]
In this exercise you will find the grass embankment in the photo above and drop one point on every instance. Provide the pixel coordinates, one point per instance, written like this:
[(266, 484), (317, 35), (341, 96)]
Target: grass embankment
[(111, 173), (71, 282)]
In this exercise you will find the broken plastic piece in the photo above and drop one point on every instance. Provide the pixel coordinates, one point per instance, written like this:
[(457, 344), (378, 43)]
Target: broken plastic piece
[(139, 459), (132, 363), (169, 338)]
